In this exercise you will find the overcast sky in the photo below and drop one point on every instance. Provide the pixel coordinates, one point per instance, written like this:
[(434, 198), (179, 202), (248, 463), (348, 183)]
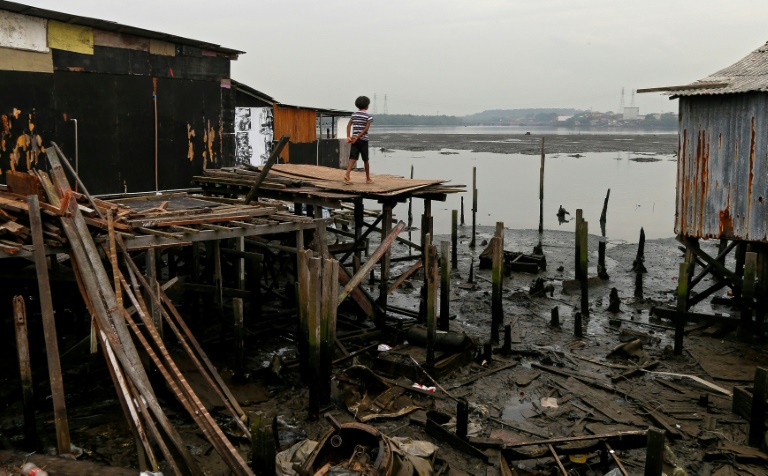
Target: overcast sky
[(458, 57)]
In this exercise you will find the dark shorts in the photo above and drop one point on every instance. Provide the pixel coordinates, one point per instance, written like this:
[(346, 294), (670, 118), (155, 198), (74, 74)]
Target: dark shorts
[(359, 148)]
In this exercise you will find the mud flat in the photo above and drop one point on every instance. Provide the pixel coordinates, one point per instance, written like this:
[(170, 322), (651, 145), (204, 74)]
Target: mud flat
[(527, 144)]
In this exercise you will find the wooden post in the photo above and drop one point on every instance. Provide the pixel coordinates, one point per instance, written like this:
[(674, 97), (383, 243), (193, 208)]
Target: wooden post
[(638, 265), (554, 320), (263, 444), (25, 369), (462, 210), (359, 216), (151, 272), (271, 160), (578, 326), (747, 295), (445, 287), (757, 419), (462, 418), (507, 339), (240, 247), (497, 311), (49, 328), (313, 331), (474, 207), (328, 307), (471, 279), (218, 284), (682, 307), (541, 190), (454, 239), (601, 269), (583, 265), (410, 205), (239, 334), (577, 248), (386, 229), (303, 304), (654, 452), (431, 304)]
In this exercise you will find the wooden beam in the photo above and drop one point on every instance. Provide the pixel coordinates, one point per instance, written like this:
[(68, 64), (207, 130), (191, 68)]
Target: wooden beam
[(49, 328), (265, 170)]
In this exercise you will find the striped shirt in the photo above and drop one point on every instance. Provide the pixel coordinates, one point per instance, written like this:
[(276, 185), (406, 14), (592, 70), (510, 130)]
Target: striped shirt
[(359, 119)]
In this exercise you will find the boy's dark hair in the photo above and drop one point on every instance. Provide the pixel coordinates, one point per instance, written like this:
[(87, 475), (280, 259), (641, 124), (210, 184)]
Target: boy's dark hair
[(362, 102)]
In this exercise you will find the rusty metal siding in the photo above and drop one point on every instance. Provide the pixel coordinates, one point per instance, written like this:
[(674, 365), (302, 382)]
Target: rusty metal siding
[(299, 123), (722, 185)]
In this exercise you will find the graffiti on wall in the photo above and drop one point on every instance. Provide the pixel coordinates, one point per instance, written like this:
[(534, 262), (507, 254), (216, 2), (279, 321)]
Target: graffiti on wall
[(21, 146)]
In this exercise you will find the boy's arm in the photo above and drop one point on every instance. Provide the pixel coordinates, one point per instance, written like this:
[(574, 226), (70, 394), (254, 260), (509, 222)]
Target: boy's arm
[(365, 129), (349, 132)]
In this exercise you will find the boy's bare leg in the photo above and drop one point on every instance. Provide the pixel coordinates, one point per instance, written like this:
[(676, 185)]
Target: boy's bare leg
[(367, 172), (350, 166)]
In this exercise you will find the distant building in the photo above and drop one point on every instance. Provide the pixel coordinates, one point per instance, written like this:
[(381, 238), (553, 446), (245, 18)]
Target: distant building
[(563, 118), (631, 113)]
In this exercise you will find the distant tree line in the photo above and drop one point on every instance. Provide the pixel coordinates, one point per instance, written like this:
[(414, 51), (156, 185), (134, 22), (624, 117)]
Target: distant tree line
[(412, 120)]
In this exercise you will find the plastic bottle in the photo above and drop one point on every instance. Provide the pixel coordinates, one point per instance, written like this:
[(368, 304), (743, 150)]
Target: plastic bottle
[(31, 469)]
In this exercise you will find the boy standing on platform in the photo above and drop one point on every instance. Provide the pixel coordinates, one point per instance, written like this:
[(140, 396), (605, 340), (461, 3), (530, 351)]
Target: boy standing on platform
[(357, 135)]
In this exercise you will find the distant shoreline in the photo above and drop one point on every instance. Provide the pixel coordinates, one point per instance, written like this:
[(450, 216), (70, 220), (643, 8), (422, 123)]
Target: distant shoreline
[(509, 143)]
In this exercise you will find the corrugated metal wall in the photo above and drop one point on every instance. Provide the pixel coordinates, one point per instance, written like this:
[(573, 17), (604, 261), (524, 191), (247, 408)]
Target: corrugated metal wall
[(298, 123), (722, 187)]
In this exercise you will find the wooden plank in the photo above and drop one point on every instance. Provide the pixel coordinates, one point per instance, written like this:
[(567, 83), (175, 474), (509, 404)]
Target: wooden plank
[(120, 40), (70, 37), (29, 61), (265, 170), (49, 328)]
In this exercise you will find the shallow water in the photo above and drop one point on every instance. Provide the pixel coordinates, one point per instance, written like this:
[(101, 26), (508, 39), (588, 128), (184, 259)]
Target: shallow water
[(642, 193)]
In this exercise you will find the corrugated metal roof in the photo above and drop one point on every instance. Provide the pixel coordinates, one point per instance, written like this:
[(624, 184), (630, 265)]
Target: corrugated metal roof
[(746, 75), (111, 26)]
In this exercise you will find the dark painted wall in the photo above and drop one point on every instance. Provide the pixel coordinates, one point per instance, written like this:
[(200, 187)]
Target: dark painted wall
[(116, 126)]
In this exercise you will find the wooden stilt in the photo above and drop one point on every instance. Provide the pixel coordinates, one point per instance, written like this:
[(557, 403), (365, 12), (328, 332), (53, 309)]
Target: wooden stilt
[(757, 420), (507, 339), (474, 207), (578, 325), (462, 210), (497, 311), (303, 308), (445, 287), (313, 332), (454, 240), (583, 266), (386, 229), (747, 295), (601, 269), (263, 444), (431, 300), (541, 189), (239, 335), (49, 328), (654, 453), (25, 369), (240, 247), (682, 307), (329, 305), (577, 247), (554, 320), (151, 273), (462, 418)]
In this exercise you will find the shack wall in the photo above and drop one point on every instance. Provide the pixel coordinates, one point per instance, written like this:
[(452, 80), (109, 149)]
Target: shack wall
[(108, 81), (722, 187), (298, 123)]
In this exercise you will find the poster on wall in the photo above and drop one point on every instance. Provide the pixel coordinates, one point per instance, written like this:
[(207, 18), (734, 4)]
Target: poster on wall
[(254, 129)]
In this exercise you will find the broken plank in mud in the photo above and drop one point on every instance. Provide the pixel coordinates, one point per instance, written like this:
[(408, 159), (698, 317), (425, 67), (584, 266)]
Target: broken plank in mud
[(603, 404), (483, 374)]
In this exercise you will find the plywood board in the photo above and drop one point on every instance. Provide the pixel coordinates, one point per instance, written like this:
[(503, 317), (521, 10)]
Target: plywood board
[(68, 37), (332, 179), (120, 40), (23, 32), (31, 61), (163, 48)]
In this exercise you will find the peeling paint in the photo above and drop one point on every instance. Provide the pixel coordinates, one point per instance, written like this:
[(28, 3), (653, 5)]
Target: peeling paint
[(191, 142)]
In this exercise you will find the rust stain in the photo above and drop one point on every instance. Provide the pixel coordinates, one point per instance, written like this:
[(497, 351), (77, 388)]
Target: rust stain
[(208, 137), (190, 141), (681, 180), (726, 220), (16, 113), (751, 168)]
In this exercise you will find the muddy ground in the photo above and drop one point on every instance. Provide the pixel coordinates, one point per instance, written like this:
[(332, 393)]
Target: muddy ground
[(528, 144), (705, 431)]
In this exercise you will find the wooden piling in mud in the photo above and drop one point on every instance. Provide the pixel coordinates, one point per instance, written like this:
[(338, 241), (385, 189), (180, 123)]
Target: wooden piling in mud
[(578, 325), (541, 190), (303, 296), (497, 276), (474, 207), (25, 370), (582, 239), (577, 248), (454, 239), (471, 278), (507, 348), (312, 302), (462, 418), (445, 287), (747, 295), (462, 210), (601, 269), (49, 327), (554, 319), (328, 307), (262, 444), (430, 270), (654, 452), (682, 307), (386, 229), (239, 335), (757, 418)]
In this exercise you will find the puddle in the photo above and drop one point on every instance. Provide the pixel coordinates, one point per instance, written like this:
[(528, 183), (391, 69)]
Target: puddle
[(516, 408)]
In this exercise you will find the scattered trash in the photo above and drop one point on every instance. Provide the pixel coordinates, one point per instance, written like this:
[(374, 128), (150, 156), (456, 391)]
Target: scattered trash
[(549, 402), (383, 348), (423, 387)]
